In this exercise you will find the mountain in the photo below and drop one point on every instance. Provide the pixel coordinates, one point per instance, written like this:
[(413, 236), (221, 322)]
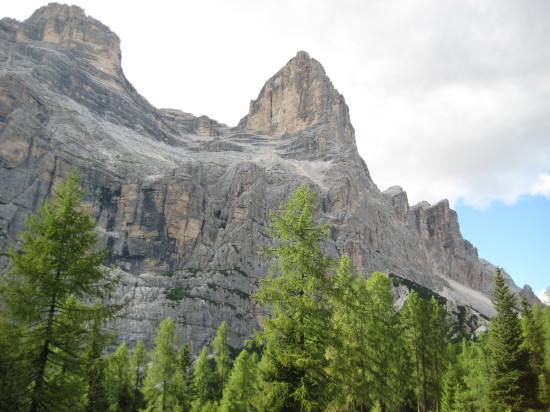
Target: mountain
[(183, 202)]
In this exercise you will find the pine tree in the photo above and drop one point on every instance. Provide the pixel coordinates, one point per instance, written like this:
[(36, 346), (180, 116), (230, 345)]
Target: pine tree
[(203, 380), (241, 387), (509, 382), (162, 382), (56, 259), (298, 298), (221, 357)]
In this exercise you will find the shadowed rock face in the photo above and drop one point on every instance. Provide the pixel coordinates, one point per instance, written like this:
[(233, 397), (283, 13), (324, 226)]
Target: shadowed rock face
[(183, 202)]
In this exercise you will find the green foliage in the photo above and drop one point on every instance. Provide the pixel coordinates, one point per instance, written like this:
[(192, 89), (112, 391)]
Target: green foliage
[(55, 269), (117, 380), (203, 380), (510, 383), (187, 391), (238, 394), (298, 292), (162, 382), (425, 330), (178, 293), (221, 357), (138, 371)]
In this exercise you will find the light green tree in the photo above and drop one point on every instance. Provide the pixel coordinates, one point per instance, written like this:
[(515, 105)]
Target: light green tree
[(298, 292), (57, 258), (138, 371), (238, 394), (162, 382), (117, 379), (221, 357)]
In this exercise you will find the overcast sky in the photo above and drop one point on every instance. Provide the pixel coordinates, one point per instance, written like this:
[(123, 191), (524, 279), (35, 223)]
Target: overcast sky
[(449, 98)]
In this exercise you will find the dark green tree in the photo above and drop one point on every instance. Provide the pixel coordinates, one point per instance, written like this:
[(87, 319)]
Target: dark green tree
[(203, 380), (417, 320), (187, 392), (510, 380), (95, 369), (298, 293), (56, 259)]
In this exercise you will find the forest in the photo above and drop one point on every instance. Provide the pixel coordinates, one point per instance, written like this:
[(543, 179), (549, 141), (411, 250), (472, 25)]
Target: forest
[(332, 341)]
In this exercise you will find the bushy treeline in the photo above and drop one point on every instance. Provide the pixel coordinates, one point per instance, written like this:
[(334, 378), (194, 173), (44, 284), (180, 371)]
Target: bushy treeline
[(333, 340)]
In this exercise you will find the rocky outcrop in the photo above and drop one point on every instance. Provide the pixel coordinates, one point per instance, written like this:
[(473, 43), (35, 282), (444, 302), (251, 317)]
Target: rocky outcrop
[(183, 202), (300, 98)]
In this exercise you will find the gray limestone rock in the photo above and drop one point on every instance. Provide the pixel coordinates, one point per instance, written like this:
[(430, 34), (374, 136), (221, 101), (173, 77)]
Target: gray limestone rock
[(183, 202)]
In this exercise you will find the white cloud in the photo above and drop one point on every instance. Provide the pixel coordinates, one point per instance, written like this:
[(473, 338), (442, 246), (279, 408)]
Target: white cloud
[(542, 186), (544, 297), (449, 99)]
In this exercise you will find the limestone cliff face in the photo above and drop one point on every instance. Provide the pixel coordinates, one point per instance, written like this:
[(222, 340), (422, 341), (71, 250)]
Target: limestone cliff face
[(183, 202), (298, 98)]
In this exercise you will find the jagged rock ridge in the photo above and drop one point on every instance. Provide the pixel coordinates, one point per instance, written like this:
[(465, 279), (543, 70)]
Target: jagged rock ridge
[(183, 202)]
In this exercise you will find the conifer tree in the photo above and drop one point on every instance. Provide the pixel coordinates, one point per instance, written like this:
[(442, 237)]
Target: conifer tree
[(387, 372), (162, 382), (117, 380), (138, 371), (12, 397), (439, 328), (533, 334), (474, 364), (416, 322), (221, 357), (238, 394), (510, 379), (187, 391), (95, 364), (56, 259), (203, 380), (298, 293)]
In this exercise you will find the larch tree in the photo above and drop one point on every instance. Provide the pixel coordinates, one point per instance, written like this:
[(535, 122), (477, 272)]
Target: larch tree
[(238, 394), (117, 379), (415, 317), (298, 293), (162, 382), (138, 371), (57, 258), (221, 357)]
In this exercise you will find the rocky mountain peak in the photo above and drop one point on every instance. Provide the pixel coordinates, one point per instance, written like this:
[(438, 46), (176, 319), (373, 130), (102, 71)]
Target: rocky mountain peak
[(65, 25), (298, 97)]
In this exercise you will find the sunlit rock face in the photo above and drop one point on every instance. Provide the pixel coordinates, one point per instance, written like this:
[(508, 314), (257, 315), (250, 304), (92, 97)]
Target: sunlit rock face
[(183, 202)]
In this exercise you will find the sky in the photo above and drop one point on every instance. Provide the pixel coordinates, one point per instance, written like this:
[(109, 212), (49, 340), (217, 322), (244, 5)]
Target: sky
[(449, 98)]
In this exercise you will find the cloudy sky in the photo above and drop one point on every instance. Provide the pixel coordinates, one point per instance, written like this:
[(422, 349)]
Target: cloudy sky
[(449, 98)]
